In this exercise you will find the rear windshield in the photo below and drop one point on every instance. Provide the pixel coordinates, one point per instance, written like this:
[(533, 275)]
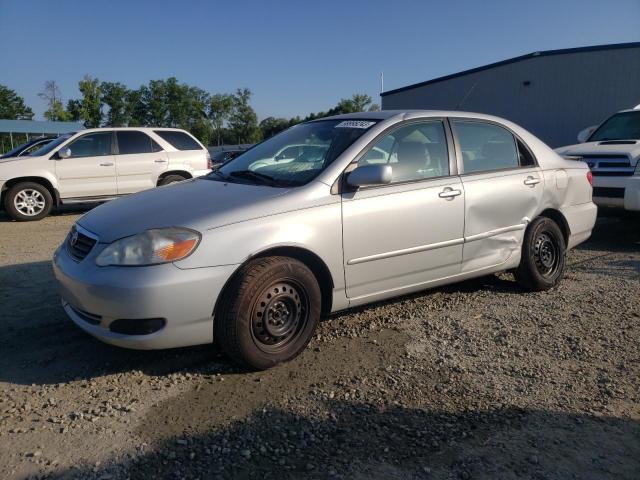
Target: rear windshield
[(179, 140)]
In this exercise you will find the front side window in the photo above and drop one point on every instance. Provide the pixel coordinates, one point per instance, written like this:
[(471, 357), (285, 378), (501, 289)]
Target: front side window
[(91, 145), (132, 141), (293, 157), (485, 146), (621, 126), (178, 140), (415, 152)]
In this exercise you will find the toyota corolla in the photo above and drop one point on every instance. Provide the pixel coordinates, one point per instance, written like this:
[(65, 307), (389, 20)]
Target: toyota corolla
[(253, 254)]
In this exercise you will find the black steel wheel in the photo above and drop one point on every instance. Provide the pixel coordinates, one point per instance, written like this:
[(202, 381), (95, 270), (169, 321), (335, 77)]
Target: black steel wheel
[(542, 263), (268, 312)]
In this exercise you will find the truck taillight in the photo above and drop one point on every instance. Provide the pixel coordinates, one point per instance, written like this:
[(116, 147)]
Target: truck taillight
[(209, 161), (590, 178)]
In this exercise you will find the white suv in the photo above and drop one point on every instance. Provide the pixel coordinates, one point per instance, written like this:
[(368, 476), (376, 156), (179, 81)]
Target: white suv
[(96, 165), (612, 151)]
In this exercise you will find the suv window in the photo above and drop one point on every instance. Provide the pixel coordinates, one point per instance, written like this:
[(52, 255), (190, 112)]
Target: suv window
[(92, 145), (132, 141), (179, 140), (415, 152), (485, 146)]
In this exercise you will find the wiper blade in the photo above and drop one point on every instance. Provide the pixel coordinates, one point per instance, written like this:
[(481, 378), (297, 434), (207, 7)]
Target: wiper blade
[(251, 175), (218, 173)]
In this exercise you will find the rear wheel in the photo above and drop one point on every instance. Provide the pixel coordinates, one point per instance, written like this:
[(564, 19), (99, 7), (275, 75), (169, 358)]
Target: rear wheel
[(171, 179), (543, 263), (28, 201), (268, 312)]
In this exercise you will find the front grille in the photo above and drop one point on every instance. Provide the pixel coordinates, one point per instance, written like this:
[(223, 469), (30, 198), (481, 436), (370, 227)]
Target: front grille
[(608, 192), (609, 165), (79, 244)]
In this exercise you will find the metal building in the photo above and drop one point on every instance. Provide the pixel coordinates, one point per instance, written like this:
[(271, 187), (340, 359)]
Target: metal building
[(554, 94)]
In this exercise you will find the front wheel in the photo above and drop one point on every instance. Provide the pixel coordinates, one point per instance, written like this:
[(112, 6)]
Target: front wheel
[(268, 312), (543, 262), (28, 201)]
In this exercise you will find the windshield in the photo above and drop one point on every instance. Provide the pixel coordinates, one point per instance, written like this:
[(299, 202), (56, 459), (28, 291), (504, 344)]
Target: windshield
[(295, 156), (621, 126), (51, 146)]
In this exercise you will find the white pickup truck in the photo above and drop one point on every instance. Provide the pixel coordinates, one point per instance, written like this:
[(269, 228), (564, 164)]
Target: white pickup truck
[(96, 165), (612, 151)]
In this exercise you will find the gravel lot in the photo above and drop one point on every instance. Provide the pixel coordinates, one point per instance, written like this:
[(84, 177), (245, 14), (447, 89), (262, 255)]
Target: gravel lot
[(476, 380)]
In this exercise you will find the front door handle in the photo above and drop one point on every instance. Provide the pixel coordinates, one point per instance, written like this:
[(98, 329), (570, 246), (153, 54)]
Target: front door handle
[(449, 193), (532, 181), (160, 161), (107, 164)]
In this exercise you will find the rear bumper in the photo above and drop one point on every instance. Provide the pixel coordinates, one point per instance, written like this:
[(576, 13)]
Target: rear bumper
[(581, 219), (94, 297), (617, 192)]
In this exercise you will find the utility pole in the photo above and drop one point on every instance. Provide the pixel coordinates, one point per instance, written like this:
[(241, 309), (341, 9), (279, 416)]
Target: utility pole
[(381, 82)]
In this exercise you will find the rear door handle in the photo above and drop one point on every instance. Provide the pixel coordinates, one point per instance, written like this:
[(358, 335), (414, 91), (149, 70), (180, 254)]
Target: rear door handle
[(449, 193), (532, 181), (160, 161), (108, 164)]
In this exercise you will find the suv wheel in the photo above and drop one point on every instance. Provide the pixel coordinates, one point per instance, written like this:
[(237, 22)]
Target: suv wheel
[(28, 201), (171, 179), (542, 264), (268, 312)]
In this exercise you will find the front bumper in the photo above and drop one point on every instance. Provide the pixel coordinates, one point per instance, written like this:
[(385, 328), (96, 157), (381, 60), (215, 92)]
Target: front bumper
[(617, 192), (94, 297)]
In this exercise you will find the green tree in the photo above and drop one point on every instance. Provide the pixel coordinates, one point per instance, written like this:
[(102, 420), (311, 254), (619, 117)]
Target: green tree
[(155, 102), (115, 95), (220, 107), (91, 104), (12, 106), (73, 110), (55, 110), (243, 120), (136, 108), (271, 126)]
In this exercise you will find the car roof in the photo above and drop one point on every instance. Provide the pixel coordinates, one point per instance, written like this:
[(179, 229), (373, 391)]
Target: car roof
[(385, 114), (147, 129)]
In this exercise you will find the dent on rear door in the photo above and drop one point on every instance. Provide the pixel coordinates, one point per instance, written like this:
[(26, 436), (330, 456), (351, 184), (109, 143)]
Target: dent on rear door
[(498, 207)]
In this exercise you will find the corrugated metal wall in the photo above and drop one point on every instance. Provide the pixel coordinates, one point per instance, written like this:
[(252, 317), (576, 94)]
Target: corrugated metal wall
[(567, 92)]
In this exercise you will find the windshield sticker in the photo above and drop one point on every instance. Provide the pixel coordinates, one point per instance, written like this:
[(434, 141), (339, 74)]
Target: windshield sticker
[(355, 124)]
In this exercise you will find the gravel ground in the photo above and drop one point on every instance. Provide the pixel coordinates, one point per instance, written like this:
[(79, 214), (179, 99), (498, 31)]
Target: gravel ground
[(475, 380)]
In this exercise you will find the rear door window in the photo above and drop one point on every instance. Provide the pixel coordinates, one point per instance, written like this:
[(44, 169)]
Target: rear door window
[(131, 141), (179, 140), (485, 146)]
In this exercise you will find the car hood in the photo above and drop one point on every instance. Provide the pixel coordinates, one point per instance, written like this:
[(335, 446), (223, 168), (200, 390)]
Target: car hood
[(630, 150), (197, 204)]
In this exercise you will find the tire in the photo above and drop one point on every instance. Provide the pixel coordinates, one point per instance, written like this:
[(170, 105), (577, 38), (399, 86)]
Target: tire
[(171, 179), (543, 260), (28, 201), (281, 290)]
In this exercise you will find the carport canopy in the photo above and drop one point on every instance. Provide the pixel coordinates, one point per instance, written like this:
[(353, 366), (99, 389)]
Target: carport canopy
[(36, 128)]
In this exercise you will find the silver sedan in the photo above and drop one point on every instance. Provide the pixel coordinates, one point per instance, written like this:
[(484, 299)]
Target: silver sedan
[(365, 207)]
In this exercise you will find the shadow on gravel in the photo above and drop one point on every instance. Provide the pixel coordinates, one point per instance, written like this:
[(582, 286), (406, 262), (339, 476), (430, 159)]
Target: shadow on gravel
[(57, 212), (615, 232), (363, 441)]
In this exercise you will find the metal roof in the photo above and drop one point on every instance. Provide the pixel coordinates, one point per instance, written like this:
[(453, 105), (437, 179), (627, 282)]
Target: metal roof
[(38, 127), (545, 53)]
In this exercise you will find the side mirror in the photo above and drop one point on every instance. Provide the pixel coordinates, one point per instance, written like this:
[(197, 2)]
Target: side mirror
[(586, 133), (367, 175), (64, 152)]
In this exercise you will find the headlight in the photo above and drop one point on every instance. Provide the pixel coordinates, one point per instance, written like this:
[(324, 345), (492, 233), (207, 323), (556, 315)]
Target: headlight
[(152, 247)]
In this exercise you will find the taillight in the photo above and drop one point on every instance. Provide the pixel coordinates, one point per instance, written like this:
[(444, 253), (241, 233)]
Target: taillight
[(590, 178), (209, 161)]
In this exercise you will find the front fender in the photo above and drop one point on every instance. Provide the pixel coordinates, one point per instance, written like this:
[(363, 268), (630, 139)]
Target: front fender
[(317, 229)]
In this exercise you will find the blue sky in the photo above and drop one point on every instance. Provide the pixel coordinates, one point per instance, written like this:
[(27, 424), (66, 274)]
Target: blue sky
[(296, 56)]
